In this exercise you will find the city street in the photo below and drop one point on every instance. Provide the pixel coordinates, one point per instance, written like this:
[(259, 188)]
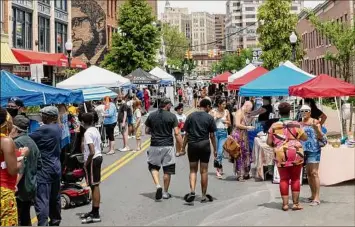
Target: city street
[(127, 198)]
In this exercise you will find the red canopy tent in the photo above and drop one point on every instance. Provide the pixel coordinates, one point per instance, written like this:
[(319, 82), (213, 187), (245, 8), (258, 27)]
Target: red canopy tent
[(221, 78), (250, 76), (323, 86)]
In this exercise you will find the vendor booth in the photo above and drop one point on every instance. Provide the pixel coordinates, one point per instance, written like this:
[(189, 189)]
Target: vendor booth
[(221, 78), (250, 76), (97, 93), (35, 94), (274, 83), (94, 77), (337, 163), (139, 76), (241, 72), (166, 85)]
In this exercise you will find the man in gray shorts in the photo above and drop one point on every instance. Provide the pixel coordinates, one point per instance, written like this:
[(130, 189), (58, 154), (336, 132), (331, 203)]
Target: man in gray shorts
[(161, 124)]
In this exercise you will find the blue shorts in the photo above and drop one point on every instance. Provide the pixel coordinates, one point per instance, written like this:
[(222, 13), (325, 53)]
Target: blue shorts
[(312, 157), (129, 120)]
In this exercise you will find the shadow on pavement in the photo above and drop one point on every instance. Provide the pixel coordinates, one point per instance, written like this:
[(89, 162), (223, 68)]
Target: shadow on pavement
[(272, 205), (151, 195)]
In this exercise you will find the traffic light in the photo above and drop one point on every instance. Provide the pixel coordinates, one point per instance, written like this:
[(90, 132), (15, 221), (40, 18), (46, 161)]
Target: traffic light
[(210, 53), (238, 51), (189, 54)]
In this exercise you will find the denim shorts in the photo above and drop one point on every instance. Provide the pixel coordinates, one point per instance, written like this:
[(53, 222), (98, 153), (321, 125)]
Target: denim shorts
[(312, 157)]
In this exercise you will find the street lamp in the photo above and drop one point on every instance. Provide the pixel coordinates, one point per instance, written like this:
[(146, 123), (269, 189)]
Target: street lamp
[(69, 48), (293, 40)]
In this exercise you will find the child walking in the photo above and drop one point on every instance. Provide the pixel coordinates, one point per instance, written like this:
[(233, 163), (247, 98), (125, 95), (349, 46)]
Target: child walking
[(136, 121)]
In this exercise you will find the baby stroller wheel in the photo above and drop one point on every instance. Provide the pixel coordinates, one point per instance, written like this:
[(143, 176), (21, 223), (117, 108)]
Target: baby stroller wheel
[(64, 201)]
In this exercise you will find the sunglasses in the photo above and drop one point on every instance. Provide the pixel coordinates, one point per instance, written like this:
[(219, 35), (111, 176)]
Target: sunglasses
[(305, 111)]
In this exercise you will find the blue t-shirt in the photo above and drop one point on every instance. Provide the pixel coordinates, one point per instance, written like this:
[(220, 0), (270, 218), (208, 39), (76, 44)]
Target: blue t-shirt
[(48, 138), (311, 144), (111, 117)]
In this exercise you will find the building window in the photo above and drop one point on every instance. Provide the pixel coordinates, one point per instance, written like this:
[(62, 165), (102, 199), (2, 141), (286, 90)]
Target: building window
[(250, 24), (202, 22), (61, 37), (250, 16), (45, 1), (43, 34), (294, 8), (249, 8), (22, 29), (61, 4)]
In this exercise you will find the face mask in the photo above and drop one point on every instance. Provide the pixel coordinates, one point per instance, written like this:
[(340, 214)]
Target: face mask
[(13, 112)]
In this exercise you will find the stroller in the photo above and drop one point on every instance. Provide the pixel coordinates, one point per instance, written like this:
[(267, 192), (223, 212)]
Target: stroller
[(72, 192)]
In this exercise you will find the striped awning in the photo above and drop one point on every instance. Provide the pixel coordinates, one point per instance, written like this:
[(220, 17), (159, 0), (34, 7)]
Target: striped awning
[(7, 57)]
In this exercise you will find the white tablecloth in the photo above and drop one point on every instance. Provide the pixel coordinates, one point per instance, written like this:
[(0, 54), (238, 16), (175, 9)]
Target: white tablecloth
[(337, 165), (263, 155)]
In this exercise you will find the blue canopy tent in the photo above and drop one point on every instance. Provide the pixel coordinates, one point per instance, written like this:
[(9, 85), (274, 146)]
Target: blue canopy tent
[(34, 94), (274, 83), (97, 93)]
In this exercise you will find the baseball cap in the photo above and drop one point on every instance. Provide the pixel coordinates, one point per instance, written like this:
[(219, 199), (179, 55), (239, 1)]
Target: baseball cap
[(50, 110), (21, 122), (166, 101), (17, 101)]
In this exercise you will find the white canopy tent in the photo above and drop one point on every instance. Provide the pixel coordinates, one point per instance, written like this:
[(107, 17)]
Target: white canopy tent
[(241, 72), (94, 77), (163, 75), (294, 67)]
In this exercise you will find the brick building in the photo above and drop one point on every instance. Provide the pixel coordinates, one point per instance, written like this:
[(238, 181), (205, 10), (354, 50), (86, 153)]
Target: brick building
[(93, 23), (315, 44)]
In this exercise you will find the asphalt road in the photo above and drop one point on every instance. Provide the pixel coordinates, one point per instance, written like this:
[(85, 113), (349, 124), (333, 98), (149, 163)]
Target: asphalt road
[(127, 195)]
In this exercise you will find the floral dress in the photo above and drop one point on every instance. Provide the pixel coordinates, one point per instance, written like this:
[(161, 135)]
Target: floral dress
[(242, 164)]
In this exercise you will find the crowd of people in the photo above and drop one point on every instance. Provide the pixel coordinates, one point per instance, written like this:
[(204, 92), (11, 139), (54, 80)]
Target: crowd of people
[(31, 160)]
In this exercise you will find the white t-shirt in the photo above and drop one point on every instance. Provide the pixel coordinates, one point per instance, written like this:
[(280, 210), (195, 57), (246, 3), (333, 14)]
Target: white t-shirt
[(100, 110), (181, 122), (189, 91), (92, 135)]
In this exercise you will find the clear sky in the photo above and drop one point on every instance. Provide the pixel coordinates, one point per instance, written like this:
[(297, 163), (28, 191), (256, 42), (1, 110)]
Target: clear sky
[(212, 6)]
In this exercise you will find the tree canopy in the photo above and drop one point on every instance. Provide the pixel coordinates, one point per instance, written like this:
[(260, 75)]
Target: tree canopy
[(136, 44), (175, 43), (277, 23), (231, 61)]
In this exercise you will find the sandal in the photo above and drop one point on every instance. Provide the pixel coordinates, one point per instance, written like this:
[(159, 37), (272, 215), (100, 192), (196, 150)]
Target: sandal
[(315, 203), (240, 179), (297, 206), (309, 200), (207, 198), (285, 207), (190, 197)]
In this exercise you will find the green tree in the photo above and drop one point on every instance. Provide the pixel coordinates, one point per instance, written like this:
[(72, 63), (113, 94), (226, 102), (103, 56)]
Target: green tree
[(137, 43), (276, 25), (231, 61), (175, 43), (342, 36)]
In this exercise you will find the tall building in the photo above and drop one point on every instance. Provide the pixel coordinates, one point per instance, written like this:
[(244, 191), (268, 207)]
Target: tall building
[(219, 22), (36, 31), (202, 32), (177, 17), (243, 13), (93, 23), (315, 44)]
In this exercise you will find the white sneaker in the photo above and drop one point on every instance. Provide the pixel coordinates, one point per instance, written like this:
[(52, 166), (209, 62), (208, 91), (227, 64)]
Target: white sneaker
[(110, 152), (125, 149), (166, 195)]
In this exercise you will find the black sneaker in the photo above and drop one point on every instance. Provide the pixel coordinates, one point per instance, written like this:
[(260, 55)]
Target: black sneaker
[(91, 219), (83, 216), (159, 193)]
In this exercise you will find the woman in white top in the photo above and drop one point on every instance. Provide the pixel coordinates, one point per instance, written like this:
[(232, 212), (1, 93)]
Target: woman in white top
[(222, 119), (181, 117)]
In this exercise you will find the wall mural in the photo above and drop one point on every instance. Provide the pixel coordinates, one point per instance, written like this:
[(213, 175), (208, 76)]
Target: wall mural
[(88, 30)]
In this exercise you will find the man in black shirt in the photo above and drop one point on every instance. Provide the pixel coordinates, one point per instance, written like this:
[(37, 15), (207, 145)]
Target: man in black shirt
[(160, 124), (200, 128)]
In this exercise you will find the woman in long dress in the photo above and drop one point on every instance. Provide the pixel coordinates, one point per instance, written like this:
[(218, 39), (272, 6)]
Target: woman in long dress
[(240, 134)]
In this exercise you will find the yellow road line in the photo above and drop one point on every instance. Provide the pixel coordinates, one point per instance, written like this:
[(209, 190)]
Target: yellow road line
[(109, 170)]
